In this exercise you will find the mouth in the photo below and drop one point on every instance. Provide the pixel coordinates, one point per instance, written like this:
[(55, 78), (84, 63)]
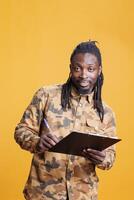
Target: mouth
[(84, 83)]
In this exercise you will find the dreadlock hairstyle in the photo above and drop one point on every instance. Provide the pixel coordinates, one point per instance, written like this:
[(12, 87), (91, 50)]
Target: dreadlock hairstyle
[(85, 47)]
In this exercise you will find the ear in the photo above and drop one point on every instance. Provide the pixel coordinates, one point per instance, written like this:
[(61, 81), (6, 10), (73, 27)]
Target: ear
[(100, 69), (70, 67)]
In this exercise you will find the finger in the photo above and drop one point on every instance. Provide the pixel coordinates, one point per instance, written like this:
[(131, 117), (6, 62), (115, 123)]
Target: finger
[(42, 148), (49, 140), (46, 144), (91, 159), (94, 161), (96, 157), (53, 137), (98, 153), (93, 156)]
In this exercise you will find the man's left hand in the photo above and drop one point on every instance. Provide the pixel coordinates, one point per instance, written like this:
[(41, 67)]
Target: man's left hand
[(97, 157)]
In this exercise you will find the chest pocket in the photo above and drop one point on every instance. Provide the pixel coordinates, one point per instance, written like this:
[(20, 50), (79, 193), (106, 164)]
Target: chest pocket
[(95, 126)]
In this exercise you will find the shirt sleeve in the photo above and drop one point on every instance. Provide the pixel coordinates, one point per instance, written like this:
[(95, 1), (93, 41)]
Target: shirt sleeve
[(27, 131), (110, 151)]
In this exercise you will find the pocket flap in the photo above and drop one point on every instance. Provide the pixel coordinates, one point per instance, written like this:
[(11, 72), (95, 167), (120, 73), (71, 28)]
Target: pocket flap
[(95, 124)]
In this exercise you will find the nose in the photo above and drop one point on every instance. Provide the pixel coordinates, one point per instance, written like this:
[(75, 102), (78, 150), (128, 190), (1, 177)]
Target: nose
[(84, 74)]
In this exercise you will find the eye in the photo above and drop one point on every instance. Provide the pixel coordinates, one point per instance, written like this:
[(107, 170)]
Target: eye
[(91, 69), (76, 68)]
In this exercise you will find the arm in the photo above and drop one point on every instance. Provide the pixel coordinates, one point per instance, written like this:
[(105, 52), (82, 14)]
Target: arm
[(110, 152), (27, 131), (105, 159)]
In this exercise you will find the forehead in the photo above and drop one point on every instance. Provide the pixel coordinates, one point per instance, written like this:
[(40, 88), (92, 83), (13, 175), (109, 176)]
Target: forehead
[(86, 58)]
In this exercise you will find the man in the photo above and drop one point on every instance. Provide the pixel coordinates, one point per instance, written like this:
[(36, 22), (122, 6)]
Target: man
[(75, 105)]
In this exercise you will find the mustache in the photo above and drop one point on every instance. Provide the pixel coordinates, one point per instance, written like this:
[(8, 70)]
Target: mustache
[(85, 80), (81, 79)]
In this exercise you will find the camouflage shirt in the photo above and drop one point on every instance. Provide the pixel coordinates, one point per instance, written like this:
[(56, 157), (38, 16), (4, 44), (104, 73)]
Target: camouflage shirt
[(53, 175)]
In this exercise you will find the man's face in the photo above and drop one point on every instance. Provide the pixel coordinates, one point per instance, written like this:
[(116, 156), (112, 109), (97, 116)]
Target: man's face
[(85, 70)]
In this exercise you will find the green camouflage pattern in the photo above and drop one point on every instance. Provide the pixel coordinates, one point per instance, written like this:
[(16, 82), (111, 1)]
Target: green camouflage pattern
[(53, 176)]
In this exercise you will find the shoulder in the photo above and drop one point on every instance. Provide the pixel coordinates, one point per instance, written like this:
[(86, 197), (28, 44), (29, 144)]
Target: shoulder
[(109, 114), (50, 90), (43, 93), (107, 108)]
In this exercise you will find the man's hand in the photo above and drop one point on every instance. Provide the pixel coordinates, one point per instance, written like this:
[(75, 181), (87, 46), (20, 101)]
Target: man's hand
[(46, 141), (97, 157)]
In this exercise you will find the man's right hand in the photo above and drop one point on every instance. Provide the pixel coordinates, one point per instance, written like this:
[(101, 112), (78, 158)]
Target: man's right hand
[(46, 141)]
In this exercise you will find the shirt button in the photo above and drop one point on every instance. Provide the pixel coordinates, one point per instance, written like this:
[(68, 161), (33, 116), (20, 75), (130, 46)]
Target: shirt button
[(96, 128), (80, 104)]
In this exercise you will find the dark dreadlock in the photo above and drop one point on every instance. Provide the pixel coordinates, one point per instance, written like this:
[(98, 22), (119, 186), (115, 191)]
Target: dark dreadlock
[(85, 47)]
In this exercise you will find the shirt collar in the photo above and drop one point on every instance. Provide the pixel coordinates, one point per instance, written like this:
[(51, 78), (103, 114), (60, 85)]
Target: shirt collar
[(76, 95)]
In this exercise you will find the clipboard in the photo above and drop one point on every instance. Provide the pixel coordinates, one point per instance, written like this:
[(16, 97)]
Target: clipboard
[(75, 142)]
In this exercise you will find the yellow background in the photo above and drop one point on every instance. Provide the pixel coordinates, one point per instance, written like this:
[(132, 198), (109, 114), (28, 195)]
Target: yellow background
[(36, 40)]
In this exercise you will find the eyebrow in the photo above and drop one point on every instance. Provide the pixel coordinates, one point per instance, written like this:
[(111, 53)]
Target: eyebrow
[(80, 64)]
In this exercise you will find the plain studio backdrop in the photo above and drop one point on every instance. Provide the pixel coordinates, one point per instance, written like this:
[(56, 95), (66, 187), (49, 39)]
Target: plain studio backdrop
[(36, 40)]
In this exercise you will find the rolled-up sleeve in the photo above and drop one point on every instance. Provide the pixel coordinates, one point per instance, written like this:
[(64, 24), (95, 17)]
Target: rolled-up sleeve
[(110, 130), (27, 131)]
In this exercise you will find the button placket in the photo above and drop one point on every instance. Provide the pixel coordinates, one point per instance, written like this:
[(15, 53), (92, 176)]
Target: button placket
[(78, 114)]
